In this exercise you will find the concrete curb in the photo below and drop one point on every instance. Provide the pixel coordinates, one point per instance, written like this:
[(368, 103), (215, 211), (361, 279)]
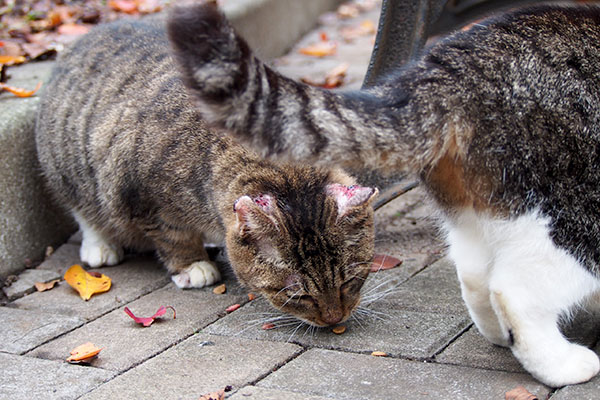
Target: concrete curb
[(28, 221)]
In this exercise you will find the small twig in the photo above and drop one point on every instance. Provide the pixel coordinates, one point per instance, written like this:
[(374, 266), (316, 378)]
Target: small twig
[(393, 193)]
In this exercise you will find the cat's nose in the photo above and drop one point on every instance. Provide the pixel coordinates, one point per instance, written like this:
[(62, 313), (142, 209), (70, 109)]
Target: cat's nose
[(332, 317)]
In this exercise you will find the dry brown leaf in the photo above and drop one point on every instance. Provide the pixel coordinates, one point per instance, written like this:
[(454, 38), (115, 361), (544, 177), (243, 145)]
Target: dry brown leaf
[(73, 29), (218, 395), (333, 79), (220, 289), (320, 49), (379, 354), (365, 28), (338, 330), (84, 352), (43, 286), (519, 393), (383, 262)]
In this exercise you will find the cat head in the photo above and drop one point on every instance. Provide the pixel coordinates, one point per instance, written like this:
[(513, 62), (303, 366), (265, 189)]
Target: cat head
[(309, 252)]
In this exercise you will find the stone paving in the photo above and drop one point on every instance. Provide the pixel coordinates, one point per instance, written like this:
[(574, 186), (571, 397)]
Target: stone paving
[(433, 350)]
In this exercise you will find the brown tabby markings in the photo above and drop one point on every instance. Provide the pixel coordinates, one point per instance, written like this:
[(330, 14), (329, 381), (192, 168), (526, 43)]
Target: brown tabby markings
[(123, 148)]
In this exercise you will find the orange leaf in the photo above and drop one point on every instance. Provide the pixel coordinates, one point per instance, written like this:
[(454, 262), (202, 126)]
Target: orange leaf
[(382, 261), (42, 287), (519, 393), (85, 283), (218, 395), (84, 352), (333, 79), (126, 6), (20, 92), (11, 60), (320, 49)]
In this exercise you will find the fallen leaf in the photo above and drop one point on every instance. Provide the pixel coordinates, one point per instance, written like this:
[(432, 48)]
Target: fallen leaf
[(383, 262), (333, 79), (220, 289), (85, 283), (338, 330), (73, 29), (84, 352), (379, 354), (20, 92), (126, 6), (43, 286), (320, 49), (365, 28), (348, 11), (232, 308), (267, 325), (12, 60), (519, 393), (147, 321), (218, 395)]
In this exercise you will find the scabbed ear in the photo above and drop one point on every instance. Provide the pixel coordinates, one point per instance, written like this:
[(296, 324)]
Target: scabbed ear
[(254, 215), (348, 197)]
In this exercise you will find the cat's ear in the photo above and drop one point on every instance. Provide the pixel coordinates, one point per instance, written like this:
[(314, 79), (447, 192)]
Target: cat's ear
[(349, 197), (254, 215)]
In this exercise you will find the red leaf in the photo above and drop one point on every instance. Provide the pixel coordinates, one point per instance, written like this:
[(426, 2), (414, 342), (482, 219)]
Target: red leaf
[(382, 262), (147, 321), (232, 308)]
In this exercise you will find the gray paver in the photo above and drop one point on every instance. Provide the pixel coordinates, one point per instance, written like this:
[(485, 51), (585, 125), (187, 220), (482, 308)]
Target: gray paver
[(126, 343), (585, 391), (473, 350), (31, 378), (198, 365), (258, 393), (401, 333), (356, 376), (62, 258), (23, 330), (27, 280), (130, 280)]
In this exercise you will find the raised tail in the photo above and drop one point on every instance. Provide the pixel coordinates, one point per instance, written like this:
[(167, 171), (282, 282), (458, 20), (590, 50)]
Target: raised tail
[(279, 117)]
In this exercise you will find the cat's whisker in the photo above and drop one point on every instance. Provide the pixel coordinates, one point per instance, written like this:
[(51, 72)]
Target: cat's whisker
[(300, 324)]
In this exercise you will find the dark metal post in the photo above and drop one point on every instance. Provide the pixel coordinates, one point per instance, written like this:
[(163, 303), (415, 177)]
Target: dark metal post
[(402, 32)]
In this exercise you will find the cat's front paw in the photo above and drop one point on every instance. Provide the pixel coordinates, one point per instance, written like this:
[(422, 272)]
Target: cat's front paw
[(577, 365), (96, 253), (197, 275)]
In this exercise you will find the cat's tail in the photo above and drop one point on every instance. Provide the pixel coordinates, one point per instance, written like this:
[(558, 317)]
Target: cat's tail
[(280, 117)]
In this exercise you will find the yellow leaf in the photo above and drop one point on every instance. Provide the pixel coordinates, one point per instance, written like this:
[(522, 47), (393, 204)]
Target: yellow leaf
[(84, 352), (85, 283)]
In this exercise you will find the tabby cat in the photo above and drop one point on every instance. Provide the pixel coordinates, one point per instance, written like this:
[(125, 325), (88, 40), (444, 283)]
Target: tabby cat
[(502, 123), (123, 148)]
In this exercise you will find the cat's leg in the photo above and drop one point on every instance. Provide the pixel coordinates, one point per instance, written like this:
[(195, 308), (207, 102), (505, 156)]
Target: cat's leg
[(96, 250), (185, 257), (473, 259), (533, 283)]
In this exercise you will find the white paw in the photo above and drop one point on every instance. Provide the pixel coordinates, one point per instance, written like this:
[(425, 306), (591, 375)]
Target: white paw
[(197, 275), (572, 365), (96, 253)]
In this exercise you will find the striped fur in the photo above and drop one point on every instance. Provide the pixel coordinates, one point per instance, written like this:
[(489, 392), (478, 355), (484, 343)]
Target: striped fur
[(123, 148), (502, 122)]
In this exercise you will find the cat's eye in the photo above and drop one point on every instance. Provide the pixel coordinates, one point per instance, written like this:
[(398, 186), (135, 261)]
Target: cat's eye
[(351, 285), (305, 298)]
